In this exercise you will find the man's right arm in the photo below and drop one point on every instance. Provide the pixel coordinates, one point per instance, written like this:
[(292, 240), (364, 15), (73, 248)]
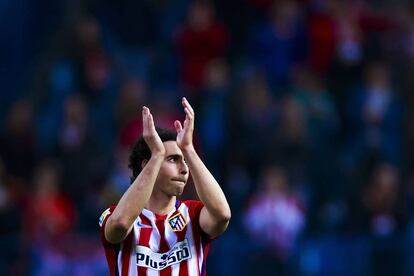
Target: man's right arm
[(130, 205)]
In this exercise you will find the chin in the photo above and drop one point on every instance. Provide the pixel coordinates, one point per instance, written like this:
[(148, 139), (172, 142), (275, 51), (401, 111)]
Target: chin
[(179, 192)]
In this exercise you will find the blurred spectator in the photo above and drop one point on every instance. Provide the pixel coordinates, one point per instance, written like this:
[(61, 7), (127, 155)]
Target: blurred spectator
[(255, 114), (61, 83), (349, 49), (279, 43), (213, 115), (322, 36), (199, 41), (93, 61), (320, 130), (128, 111), (79, 150), (50, 214), (120, 178), (290, 144), (380, 214), (75, 125), (311, 93), (375, 115), (274, 218)]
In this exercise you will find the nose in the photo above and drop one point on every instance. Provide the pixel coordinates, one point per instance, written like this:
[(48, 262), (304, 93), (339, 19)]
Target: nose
[(183, 168)]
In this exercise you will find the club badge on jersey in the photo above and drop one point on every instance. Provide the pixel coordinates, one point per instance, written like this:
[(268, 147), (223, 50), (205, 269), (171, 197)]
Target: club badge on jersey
[(177, 222)]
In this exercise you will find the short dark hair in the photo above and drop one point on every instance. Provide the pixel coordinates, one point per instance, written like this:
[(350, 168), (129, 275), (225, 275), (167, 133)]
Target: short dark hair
[(141, 151)]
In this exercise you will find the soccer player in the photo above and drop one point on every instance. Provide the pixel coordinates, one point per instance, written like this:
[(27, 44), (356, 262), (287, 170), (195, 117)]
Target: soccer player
[(150, 231)]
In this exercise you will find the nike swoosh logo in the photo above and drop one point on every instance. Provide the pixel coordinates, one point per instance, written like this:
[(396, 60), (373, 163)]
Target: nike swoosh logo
[(139, 224)]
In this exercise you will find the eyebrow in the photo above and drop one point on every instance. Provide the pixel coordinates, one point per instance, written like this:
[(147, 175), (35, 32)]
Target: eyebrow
[(179, 156)]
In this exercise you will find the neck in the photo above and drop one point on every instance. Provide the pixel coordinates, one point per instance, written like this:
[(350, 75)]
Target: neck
[(160, 204)]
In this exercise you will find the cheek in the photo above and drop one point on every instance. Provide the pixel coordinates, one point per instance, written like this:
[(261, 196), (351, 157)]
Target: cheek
[(167, 172)]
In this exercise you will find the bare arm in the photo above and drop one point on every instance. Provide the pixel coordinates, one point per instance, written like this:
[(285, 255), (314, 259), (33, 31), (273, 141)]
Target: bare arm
[(215, 215), (120, 223)]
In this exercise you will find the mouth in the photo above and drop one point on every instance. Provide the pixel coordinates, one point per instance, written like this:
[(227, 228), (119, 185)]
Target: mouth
[(179, 180)]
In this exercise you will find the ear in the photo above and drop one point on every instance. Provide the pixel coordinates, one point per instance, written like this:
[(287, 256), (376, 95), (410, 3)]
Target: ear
[(143, 163)]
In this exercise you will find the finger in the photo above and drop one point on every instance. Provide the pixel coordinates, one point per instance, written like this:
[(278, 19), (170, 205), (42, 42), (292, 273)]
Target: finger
[(187, 111), (186, 104), (145, 119), (151, 123), (189, 115), (178, 126)]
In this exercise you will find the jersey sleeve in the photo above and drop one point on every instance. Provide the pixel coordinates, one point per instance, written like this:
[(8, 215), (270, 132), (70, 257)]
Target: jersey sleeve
[(194, 208), (102, 223)]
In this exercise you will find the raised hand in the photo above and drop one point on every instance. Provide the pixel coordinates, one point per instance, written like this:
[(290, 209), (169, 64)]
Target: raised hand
[(150, 135), (185, 133)]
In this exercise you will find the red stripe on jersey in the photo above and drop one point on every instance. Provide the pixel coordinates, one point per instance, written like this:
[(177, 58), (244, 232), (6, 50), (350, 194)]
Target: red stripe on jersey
[(205, 251), (160, 222), (112, 259), (126, 253), (144, 237), (196, 237)]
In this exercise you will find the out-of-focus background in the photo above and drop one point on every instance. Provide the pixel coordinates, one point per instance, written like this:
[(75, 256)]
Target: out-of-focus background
[(304, 115)]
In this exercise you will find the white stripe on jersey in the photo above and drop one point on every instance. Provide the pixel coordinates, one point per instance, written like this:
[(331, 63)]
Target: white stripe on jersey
[(132, 258), (155, 238), (119, 259)]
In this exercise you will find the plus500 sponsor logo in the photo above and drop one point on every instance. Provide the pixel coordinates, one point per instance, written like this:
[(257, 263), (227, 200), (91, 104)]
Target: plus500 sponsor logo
[(147, 258)]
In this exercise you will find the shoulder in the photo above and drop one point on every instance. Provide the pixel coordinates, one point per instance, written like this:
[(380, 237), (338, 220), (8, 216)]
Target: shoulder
[(192, 203), (194, 206), (191, 208)]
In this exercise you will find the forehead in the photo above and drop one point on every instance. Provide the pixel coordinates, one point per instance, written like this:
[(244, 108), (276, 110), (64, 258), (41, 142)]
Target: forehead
[(171, 148)]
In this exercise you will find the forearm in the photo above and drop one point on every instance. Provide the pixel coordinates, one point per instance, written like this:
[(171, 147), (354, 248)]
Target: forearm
[(134, 199), (208, 190)]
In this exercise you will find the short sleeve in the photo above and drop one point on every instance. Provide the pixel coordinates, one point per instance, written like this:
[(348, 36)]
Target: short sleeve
[(102, 223)]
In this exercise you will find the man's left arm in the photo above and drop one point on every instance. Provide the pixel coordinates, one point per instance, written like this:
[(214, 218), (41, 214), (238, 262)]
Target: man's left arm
[(215, 215)]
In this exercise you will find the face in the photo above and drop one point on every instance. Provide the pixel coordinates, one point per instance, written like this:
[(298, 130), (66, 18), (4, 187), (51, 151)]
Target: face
[(174, 171)]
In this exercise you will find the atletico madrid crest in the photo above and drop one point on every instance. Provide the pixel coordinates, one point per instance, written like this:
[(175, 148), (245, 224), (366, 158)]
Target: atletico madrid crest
[(177, 222)]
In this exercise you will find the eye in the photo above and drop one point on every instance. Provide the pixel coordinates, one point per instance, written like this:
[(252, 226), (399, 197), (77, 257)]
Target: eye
[(173, 159)]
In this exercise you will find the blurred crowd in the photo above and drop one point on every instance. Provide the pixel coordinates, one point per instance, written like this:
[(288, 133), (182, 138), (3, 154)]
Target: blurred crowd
[(304, 115)]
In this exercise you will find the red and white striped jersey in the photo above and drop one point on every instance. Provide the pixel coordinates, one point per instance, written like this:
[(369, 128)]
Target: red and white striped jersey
[(172, 244)]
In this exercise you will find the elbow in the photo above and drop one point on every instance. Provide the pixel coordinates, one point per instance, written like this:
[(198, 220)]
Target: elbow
[(225, 215), (121, 224), (116, 230), (228, 215)]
